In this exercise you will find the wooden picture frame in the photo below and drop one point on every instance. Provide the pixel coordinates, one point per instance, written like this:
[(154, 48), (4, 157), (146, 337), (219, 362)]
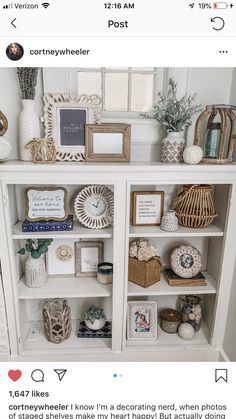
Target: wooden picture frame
[(142, 320), (83, 250), (44, 204), (147, 208), (107, 142), (65, 118)]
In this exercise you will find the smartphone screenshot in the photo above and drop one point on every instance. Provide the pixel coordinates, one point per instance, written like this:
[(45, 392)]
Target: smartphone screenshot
[(117, 209)]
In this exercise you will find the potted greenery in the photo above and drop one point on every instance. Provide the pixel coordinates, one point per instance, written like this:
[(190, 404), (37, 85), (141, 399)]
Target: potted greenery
[(175, 115), (29, 126), (94, 318), (35, 272)]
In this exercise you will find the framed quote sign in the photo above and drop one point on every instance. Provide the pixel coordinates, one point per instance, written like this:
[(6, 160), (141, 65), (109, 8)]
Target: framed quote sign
[(44, 204), (65, 118), (147, 208)]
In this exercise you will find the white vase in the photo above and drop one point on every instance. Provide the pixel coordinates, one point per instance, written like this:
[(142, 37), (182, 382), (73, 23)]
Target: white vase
[(169, 221), (172, 148), (35, 272), (29, 127), (97, 324)]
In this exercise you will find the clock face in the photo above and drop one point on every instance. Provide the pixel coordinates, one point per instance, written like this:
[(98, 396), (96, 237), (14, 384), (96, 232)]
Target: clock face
[(95, 206)]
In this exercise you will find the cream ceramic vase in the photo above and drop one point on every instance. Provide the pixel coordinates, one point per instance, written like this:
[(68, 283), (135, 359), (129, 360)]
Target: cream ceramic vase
[(29, 127), (169, 221), (35, 272), (173, 147)]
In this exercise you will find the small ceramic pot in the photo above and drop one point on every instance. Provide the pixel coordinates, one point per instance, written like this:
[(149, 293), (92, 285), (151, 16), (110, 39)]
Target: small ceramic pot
[(97, 324), (172, 148), (170, 320), (105, 273), (169, 221)]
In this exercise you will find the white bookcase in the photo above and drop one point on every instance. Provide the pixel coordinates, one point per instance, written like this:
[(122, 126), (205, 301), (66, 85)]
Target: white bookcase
[(216, 243)]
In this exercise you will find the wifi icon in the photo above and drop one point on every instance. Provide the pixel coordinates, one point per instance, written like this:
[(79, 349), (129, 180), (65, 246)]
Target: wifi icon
[(45, 5)]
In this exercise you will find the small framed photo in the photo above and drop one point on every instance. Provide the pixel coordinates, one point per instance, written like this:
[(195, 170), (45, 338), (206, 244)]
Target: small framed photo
[(147, 208), (65, 118), (87, 256), (60, 258), (44, 204), (142, 320), (107, 142)]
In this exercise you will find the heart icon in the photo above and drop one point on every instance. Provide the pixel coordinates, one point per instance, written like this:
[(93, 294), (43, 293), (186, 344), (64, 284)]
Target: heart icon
[(14, 375)]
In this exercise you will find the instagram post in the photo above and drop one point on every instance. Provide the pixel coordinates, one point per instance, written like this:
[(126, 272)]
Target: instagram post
[(117, 247)]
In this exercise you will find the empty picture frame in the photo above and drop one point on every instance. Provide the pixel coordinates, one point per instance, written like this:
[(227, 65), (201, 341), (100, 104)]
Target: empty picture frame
[(107, 142), (87, 256)]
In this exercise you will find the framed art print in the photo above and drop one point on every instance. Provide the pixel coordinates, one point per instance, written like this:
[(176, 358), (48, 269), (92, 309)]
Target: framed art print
[(142, 320), (60, 258), (65, 118), (88, 255), (47, 203), (147, 208)]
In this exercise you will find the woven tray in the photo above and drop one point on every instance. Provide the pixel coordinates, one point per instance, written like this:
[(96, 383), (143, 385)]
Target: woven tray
[(144, 273)]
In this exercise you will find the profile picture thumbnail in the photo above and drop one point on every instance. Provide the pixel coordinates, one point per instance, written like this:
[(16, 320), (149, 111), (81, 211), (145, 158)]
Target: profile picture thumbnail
[(15, 51)]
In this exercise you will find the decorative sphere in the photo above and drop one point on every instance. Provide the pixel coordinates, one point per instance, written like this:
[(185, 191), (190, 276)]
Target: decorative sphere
[(186, 331), (192, 154), (5, 148)]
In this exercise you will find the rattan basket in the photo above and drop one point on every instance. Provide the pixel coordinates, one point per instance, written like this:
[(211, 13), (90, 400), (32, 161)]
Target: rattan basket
[(144, 273), (194, 206)]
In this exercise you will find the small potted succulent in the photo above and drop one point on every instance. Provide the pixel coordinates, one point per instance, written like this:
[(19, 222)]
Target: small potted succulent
[(35, 272), (94, 318)]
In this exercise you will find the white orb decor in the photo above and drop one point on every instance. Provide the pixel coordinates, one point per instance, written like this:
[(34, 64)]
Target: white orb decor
[(193, 154), (186, 331), (5, 148)]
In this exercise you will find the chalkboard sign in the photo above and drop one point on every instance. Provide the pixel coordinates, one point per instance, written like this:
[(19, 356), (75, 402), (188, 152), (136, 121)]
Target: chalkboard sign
[(72, 126), (44, 204)]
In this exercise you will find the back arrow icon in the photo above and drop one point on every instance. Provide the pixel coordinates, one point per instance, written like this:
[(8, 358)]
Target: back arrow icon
[(12, 22), (222, 21)]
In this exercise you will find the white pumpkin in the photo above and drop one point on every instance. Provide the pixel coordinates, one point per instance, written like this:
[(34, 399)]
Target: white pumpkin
[(192, 154)]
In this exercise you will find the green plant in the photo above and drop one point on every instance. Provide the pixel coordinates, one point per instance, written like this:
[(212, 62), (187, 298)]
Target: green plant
[(173, 113), (36, 247), (28, 80), (93, 313)]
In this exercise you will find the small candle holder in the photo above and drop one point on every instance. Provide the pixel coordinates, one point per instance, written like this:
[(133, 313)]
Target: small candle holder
[(105, 272)]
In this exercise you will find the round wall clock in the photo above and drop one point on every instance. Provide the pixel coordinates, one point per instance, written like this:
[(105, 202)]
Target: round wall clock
[(94, 206), (186, 261)]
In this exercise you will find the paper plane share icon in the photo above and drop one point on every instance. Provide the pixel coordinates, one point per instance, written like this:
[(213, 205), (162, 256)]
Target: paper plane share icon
[(60, 373)]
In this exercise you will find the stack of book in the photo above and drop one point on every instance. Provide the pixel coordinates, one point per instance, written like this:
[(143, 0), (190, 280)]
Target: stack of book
[(175, 280), (42, 226)]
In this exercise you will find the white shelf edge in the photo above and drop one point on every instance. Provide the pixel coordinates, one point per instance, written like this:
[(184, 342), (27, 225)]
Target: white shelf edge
[(162, 288), (67, 287), (172, 341), (72, 344), (77, 232), (212, 230)]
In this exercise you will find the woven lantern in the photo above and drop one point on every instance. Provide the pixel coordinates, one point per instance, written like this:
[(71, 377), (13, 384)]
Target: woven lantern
[(219, 140)]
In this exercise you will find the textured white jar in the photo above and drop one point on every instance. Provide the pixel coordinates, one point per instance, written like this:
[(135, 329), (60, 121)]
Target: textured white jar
[(29, 127), (35, 272), (169, 221), (172, 148)]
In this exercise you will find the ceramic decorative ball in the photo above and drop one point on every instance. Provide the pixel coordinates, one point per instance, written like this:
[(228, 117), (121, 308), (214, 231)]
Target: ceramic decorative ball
[(5, 148), (186, 331), (193, 154)]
